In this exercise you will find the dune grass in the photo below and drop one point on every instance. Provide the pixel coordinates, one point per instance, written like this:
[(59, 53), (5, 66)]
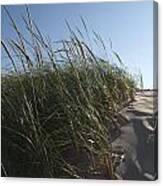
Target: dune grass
[(60, 106)]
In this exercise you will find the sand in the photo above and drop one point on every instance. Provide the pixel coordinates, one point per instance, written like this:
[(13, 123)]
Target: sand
[(138, 139)]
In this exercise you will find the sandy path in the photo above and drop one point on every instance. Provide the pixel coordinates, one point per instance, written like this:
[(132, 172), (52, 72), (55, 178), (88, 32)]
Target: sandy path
[(138, 139)]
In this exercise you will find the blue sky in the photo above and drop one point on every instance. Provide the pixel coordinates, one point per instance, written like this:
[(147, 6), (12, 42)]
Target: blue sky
[(129, 25)]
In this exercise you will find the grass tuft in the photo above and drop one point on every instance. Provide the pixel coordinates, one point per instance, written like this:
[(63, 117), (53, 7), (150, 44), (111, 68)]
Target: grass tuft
[(60, 106)]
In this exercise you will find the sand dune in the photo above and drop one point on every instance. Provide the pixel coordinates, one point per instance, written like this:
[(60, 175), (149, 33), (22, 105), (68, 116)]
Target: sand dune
[(138, 139)]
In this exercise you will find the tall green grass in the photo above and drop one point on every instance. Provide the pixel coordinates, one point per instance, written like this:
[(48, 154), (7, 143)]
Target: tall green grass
[(60, 106)]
